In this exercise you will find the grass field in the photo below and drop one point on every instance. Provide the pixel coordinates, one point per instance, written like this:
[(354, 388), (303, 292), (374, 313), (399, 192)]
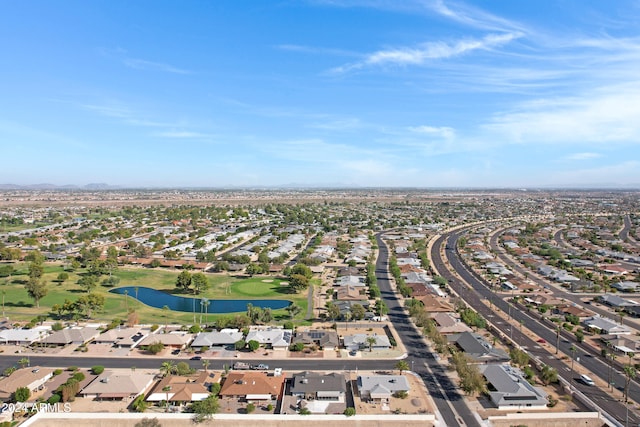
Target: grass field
[(19, 306)]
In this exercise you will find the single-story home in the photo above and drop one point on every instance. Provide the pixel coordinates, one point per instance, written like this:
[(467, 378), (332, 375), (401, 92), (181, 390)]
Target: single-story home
[(275, 338), (477, 348), (315, 386), (252, 385), (324, 338), (380, 388), (74, 336), (359, 342), (509, 389), (605, 326), (34, 378), (118, 385), (222, 338), (179, 389)]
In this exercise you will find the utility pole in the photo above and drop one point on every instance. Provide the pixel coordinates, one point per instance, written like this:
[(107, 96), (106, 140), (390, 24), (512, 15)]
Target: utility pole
[(557, 337)]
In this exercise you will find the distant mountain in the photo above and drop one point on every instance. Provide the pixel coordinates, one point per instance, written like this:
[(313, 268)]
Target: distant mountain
[(46, 186)]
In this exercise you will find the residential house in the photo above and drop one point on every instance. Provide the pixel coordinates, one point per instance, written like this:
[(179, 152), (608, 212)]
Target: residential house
[(509, 389), (122, 337), (477, 348), (359, 342), (605, 326), (380, 388), (273, 338), (222, 338), (349, 293), (324, 338), (180, 389), (314, 386), (252, 385), (615, 301), (433, 304), (22, 336), (118, 385), (447, 323), (626, 286), (34, 378), (71, 336), (621, 343), (175, 340)]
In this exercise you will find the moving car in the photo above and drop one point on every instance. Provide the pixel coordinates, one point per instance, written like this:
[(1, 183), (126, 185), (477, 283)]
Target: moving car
[(587, 380)]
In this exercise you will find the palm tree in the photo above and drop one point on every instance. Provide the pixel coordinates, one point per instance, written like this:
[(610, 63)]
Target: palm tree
[(126, 299), (402, 366), (630, 373), (23, 362), (167, 389), (205, 364), (293, 310), (371, 341), (167, 368)]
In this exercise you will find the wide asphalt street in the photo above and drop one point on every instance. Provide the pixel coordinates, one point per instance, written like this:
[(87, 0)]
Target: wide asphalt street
[(480, 291)]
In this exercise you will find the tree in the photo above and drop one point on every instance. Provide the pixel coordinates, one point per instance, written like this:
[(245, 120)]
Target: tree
[(350, 411), (88, 282), (332, 310), (252, 269), (253, 345), (240, 345), (23, 362), (302, 270), (548, 375), (298, 282), (204, 409), (250, 408), (165, 312), (293, 310), (629, 373), (357, 311), (381, 307), (62, 277), (167, 368), (184, 280), (371, 341), (155, 348), (36, 290), (200, 282), (266, 315), (401, 366), (22, 394)]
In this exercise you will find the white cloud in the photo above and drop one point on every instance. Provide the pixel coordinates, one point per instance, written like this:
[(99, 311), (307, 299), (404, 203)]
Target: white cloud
[(182, 135), (609, 114), (473, 17), (141, 64), (583, 156), (442, 132), (428, 51)]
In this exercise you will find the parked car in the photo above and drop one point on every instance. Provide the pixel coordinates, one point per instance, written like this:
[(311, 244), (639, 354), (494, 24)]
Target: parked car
[(241, 366), (196, 358), (260, 367), (587, 380)]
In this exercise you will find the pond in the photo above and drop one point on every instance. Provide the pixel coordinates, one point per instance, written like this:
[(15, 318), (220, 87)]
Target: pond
[(158, 299)]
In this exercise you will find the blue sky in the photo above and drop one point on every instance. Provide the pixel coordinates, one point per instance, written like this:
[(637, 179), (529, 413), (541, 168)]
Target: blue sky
[(430, 93)]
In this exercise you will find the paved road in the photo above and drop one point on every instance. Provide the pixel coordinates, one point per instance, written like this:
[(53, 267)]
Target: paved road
[(480, 291), (445, 393)]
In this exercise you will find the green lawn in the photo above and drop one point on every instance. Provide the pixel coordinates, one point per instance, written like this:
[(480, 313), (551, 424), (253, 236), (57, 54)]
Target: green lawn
[(19, 306)]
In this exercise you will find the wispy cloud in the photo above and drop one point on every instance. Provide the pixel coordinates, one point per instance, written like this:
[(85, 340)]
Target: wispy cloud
[(441, 132), (183, 135), (473, 17), (427, 52), (315, 50), (123, 56), (583, 156), (142, 64), (608, 114)]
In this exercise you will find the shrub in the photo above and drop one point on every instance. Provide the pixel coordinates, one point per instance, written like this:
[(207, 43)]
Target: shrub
[(78, 376), (269, 407), (57, 372), (55, 398), (97, 370), (154, 328), (350, 412), (305, 411), (57, 326), (401, 394), (296, 347), (72, 368), (250, 408)]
